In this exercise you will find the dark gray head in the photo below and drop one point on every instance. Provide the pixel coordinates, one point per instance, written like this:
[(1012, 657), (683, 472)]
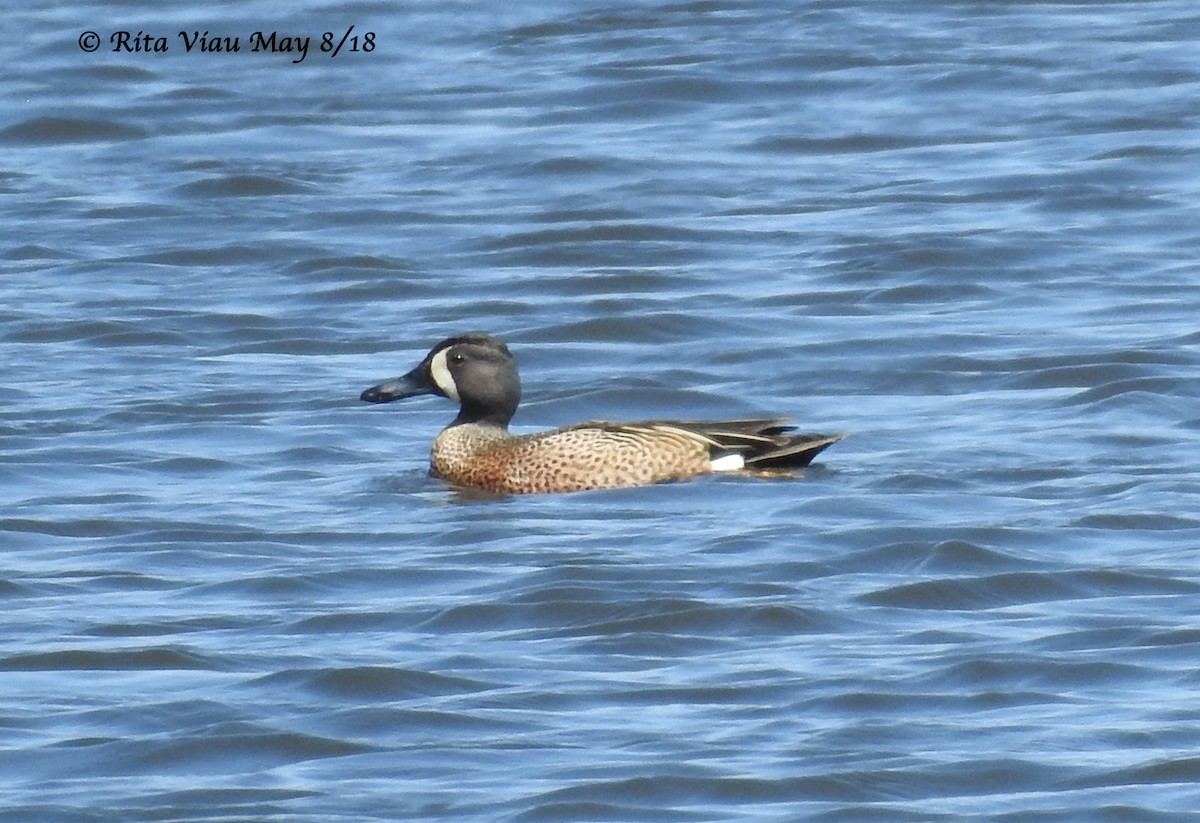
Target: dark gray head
[(474, 369)]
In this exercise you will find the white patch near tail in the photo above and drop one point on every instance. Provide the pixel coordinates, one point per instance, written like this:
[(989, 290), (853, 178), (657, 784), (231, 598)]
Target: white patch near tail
[(440, 372), (728, 463)]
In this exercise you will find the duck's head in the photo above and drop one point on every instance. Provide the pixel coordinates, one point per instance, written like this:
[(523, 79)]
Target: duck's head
[(474, 369)]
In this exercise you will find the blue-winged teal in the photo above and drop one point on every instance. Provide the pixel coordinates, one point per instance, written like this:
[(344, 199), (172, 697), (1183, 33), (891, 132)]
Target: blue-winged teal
[(477, 371)]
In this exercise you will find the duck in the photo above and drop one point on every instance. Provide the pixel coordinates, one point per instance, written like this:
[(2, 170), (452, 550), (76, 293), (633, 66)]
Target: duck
[(477, 451)]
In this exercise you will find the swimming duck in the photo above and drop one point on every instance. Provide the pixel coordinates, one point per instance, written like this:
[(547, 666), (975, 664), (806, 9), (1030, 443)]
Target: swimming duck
[(477, 371)]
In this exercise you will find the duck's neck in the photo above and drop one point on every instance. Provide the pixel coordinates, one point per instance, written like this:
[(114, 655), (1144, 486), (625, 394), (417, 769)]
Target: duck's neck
[(491, 417)]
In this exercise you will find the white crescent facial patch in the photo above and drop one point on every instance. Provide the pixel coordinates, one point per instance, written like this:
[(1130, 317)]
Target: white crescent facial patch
[(440, 372)]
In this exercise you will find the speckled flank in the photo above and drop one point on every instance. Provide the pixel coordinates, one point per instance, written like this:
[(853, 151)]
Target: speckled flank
[(575, 458)]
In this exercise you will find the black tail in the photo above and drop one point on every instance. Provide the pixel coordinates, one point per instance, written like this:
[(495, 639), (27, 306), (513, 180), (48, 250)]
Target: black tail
[(796, 452), (764, 444)]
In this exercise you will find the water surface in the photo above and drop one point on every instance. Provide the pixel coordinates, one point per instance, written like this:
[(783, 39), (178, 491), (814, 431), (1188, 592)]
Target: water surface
[(964, 232)]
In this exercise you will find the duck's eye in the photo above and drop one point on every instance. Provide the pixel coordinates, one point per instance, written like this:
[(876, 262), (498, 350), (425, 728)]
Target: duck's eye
[(458, 358)]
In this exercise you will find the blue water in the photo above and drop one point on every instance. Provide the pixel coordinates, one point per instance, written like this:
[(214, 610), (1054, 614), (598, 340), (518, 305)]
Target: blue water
[(965, 232)]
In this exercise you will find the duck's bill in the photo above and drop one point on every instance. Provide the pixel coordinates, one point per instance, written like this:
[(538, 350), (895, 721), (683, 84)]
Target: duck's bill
[(397, 388)]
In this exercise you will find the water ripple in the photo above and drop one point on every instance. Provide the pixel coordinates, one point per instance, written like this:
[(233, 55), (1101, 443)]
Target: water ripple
[(963, 232)]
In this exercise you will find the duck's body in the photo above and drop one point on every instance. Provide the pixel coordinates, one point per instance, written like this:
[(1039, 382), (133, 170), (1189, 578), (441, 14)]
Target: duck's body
[(477, 450)]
